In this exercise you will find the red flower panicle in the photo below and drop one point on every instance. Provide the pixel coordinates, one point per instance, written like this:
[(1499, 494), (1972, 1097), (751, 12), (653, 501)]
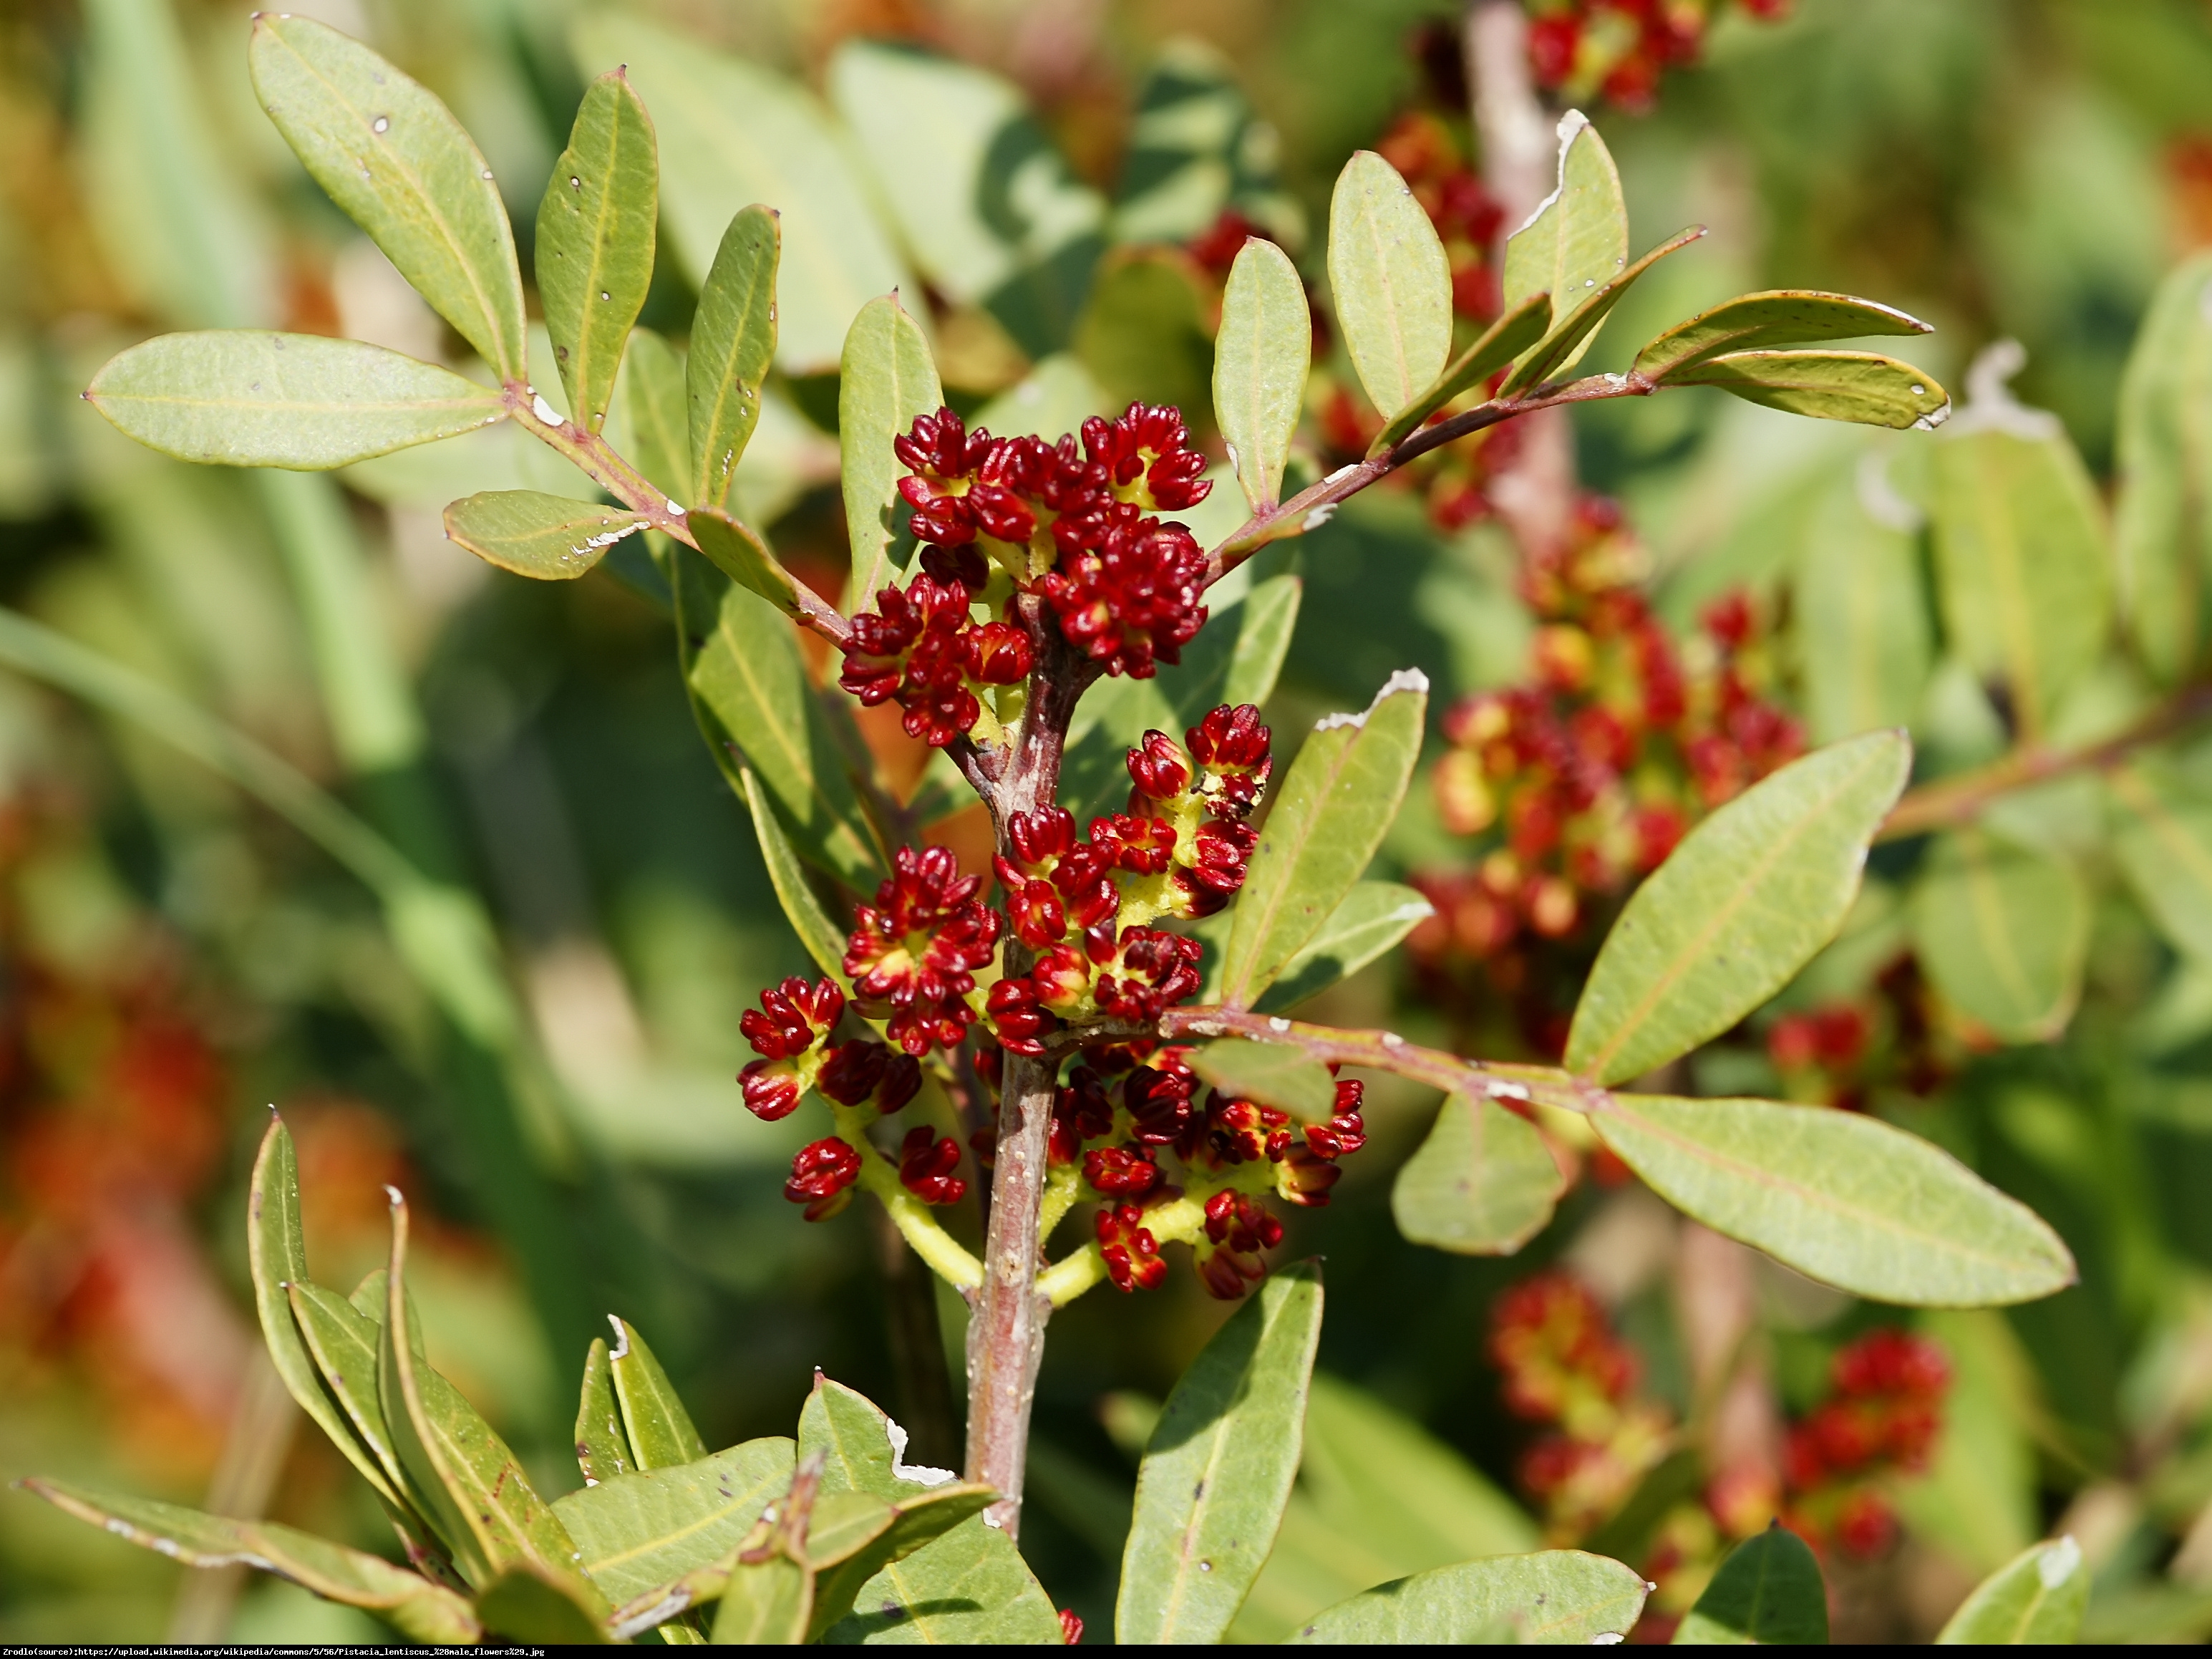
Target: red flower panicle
[(1237, 1228), (784, 1030), (1885, 1414), (926, 1164), (1132, 1256), (915, 951), (822, 1177), (1132, 602)]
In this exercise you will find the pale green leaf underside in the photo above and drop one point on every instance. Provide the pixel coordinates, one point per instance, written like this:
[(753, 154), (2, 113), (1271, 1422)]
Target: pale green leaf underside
[(733, 348), (595, 230), (652, 1526), (739, 554), (401, 166), (1371, 918), (529, 1606), (1268, 1074), (1843, 1197), (2002, 932), (1330, 814), (602, 1443), (1556, 1596), (1767, 1594), (1760, 322), (1573, 335), (425, 1611), (1860, 386), (2164, 844), (244, 397), (888, 380), (1390, 282), (821, 936), (1260, 359), (1744, 902), (1483, 1184), (2038, 1598), (1577, 241), (1218, 1468), (548, 537)]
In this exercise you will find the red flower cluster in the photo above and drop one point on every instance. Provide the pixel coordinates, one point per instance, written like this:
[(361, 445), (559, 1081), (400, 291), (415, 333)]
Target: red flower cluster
[(1620, 47), (822, 1177), (914, 952), (792, 1021), (1886, 1413), (921, 647)]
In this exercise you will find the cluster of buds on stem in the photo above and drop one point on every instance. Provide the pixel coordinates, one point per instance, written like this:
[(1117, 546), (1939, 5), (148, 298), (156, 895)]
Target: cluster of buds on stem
[(1620, 47), (1884, 1415), (1891, 1035)]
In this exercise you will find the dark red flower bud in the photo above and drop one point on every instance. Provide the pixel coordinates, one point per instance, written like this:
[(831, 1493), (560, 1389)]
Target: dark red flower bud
[(1080, 1112), (1159, 768), (1039, 918), (793, 1017), (1237, 1228), (1132, 1256), (771, 1089), (1142, 846), (1158, 1104), (914, 952), (1151, 970), (822, 1176), (964, 565), (1231, 748), (998, 653), (926, 1164), (1120, 1171), (852, 1071), (1305, 1178), (1071, 1627), (1062, 975), (1042, 838), (1146, 453), (1021, 1025), (1134, 601)]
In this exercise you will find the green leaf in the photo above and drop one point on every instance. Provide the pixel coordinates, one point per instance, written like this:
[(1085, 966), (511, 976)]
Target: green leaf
[(1571, 335), (395, 159), (1841, 1197), (1866, 665), (1499, 344), (1767, 1594), (732, 132), (824, 940), (546, 536), (768, 1602), (1372, 917), (995, 218), (368, 1300), (345, 1343), (2163, 448), (1483, 1184), (241, 397), (1330, 814), (887, 381), (1218, 1469), (486, 1510), (2163, 842), (732, 347), (595, 242), (1268, 1074), (417, 1608), (751, 681), (644, 1529), (1556, 1596), (602, 1443), (1863, 386), (739, 554), (650, 423), (527, 1606), (1744, 902), (1389, 281), (660, 1432), (276, 1256), (1260, 360), (913, 1524), (1577, 240), (2021, 563), (1760, 322), (2002, 932), (2038, 1598)]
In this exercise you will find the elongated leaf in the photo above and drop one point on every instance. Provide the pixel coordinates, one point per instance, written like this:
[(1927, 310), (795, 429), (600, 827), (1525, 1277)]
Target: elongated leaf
[(650, 423), (2162, 530), (2037, 1598), (1390, 282), (1842, 1198), (1218, 1469), (1556, 1596), (527, 1606), (1866, 664), (913, 1524), (487, 1511), (645, 1528), (750, 679), (2164, 844), (888, 380), (1372, 917), (546, 536), (1260, 360), (660, 1432), (276, 1256), (1863, 386), (741, 556), (425, 1611), (1767, 1594), (1571, 335), (241, 397), (732, 132), (1499, 344), (344, 1345), (1330, 816), (369, 1300), (602, 1443), (1760, 322), (394, 157), (2002, 932), (766, 1602), (732, 346), (1577, 240), (595, 242), (821, 936), (2020, 558), (1744, 902), (1268, 1074), (1483, 1184)]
